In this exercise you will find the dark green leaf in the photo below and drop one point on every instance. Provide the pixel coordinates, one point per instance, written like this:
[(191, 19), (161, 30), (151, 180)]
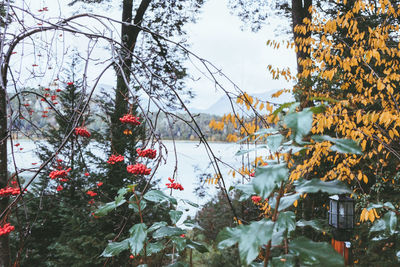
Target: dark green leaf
[(178, 264), (316, 224), (288, 201), (315, 253), (316, 185), (114, 248), (197, 246), (121, 195), (340, 145), (247, 191), (105, 209), (156, 226), (167, 231), (286, 221), (175, 215), (180, 243), (192, 224), (190, 203), (390, 219), (152, 248), (300, 123), (379, 225), (267, 178), (318, 109), (228, 236), (134, 206), (274, 142), (138, 236), (283, 261), (249, 242), (158, 196)]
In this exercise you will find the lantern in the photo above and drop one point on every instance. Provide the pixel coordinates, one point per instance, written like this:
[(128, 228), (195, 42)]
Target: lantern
[(341, 216)]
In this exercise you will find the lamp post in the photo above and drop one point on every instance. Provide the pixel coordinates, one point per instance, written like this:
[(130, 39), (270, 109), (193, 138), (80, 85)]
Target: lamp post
[(341, 219)]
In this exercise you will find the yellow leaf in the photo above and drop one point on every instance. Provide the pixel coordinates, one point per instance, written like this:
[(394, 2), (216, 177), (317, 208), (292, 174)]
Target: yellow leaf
[(365, 179), (295, 204)]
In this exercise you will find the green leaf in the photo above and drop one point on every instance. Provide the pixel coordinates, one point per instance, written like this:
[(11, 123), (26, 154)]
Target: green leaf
[(247, 191), (180, 243), (165, 231), (196, 245), (283, 261), (121, 195), (114, 248), (152, 248), (175, 215), (340, 145), (138, 236), (178, 264), (158, 196), (318, 109), (105, 209), (250, 238), (300, 123), (315, 253), (134, 206), (390, 219), (190, 203), (267, 178), (274, 142), (283, 106), (316, 185), (228, 236), (192, 224), (378, 226), (156, 226), (286, 221), (286, 201), (389, 205), (317, 224)]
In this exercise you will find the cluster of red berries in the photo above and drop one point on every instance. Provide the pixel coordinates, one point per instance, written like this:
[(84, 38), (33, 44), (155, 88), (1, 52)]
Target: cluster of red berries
[(256, 199), (59, 174), (138, 168), (82, 132), (114, 159), (9, 191), (174, 185), (147, 153), (6, 229), (130, 119), (59, 188), (91, 193)]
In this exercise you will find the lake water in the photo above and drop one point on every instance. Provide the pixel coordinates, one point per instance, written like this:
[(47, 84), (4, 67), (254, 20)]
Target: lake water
[(192, 161)]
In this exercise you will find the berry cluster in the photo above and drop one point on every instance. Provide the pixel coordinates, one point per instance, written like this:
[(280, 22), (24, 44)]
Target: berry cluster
[(174, 185), (6, 229), (138, 168), (9, 191), (59, 174), (130, 119), (147, 153), (91, 193), (256, 199), (113, 159), (82, 132), (59, 188)]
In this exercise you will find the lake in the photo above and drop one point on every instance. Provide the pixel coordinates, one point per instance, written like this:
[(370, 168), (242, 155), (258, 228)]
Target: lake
[(192, 161)]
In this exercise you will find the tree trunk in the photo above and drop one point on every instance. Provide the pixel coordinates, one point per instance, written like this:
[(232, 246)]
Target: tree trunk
[(4, 239), (129, 36), (300, 11)]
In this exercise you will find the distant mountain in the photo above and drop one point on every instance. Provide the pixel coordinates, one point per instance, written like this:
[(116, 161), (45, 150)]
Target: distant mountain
[(223, 105)]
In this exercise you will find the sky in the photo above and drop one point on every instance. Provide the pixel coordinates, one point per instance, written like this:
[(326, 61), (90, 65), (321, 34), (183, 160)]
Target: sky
[(243, 56)]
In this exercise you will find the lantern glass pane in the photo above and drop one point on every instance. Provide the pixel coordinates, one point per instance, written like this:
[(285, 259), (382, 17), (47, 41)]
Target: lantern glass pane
[(333, 213), (342, 217)]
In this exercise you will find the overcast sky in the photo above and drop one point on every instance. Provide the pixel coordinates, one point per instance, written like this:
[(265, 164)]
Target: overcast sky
[(216, 36)]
